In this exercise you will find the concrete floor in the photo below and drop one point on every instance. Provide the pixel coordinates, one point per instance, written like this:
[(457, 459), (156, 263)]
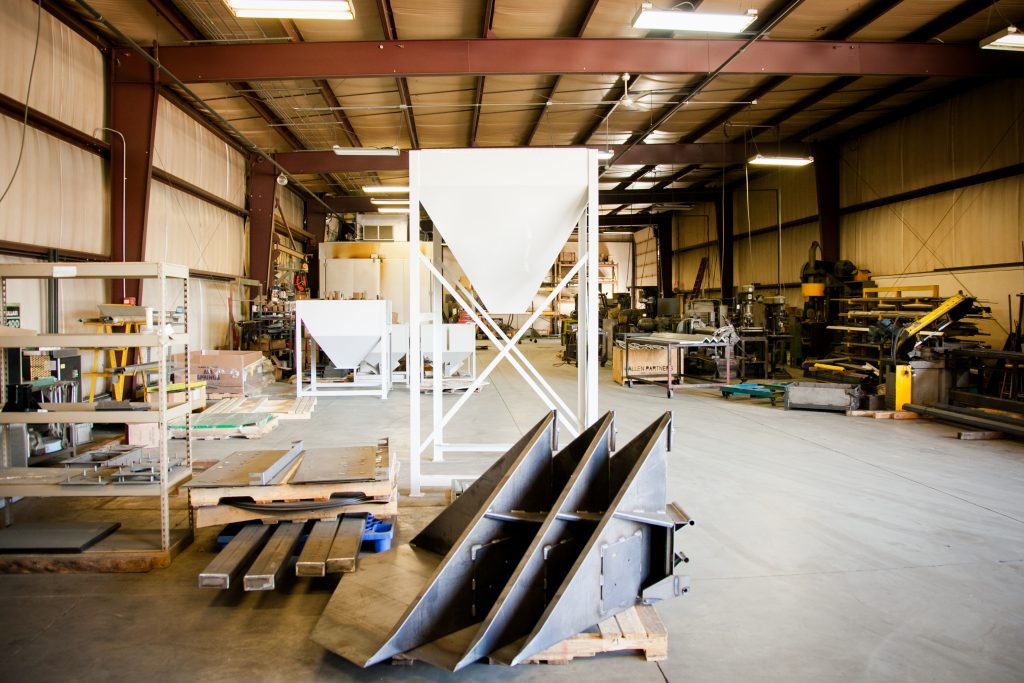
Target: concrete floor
[(827, 548)]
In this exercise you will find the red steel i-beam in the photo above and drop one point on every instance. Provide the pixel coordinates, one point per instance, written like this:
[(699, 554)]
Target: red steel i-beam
[(262, 184), (133, 106)]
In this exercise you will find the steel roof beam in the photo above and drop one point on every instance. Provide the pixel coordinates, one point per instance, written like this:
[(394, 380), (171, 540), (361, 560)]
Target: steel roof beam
[(326, 161), (485, 57)]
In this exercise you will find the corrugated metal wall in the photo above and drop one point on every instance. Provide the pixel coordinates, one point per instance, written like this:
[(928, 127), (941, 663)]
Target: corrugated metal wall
[(916, 240), (976, 226), (59, 197)]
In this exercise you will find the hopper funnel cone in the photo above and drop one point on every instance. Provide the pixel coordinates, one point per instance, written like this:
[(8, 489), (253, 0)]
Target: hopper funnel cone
[(505, 214)]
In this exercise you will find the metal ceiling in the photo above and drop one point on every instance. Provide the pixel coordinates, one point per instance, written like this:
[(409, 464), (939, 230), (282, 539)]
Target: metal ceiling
[(891, 57)]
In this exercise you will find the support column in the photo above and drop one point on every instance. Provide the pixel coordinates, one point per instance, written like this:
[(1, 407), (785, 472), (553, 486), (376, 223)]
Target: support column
[(665, 253), (133, 105), (826, 181), (316, 223), (724, 217), (262, 183)]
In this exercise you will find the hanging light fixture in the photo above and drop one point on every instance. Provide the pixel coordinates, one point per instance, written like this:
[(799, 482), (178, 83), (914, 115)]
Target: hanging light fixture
[(392, 209), (390, 202), (385, 189), (366, 151), (1008, 39), (689, 20), (292, 9), (766, 160)]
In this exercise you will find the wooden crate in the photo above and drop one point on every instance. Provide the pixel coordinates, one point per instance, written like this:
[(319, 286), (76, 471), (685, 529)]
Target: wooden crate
[(642, 363)]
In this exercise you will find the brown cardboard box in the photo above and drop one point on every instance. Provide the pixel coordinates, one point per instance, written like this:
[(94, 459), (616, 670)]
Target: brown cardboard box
[(642, 363), (177, 397), (225, 372), (147, 435)]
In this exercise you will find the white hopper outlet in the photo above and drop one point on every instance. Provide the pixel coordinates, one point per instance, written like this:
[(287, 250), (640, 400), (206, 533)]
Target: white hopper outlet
[(505, 214)]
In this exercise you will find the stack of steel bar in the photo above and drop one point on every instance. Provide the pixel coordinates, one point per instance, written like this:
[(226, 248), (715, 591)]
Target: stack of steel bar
[(544, 545), (296, 485), (261, 554)]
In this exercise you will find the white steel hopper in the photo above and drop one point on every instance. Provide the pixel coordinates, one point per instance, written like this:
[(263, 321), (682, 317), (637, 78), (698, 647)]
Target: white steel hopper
[(505, 214)]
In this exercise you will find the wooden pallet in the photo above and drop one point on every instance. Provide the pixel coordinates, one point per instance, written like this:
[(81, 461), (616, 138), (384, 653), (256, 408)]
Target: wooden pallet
[(259, 426), (220, 515), (639, 629), (381, 487), (126, 550), (283, 408), (884, 414)]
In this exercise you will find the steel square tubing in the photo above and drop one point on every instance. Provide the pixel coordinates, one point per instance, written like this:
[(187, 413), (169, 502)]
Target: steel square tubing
[(232, 560), (270, 564)]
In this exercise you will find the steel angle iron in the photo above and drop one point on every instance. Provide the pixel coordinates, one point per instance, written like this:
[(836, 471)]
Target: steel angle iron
[(545, 544)]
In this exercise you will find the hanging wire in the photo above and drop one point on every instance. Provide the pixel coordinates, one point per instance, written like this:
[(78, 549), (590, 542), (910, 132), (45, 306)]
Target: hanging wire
[(28, 93)]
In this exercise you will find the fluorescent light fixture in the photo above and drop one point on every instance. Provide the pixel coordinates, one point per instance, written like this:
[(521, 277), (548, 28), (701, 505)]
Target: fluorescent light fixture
[(761, 160), (366, 151), (385, 189), (390, 202), (392, 209), (605, 154), (1007, 39), (688, 20), (292, 9)]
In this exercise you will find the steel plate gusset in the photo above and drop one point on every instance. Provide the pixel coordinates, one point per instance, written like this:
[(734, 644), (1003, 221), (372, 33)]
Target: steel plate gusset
[(542, 546)]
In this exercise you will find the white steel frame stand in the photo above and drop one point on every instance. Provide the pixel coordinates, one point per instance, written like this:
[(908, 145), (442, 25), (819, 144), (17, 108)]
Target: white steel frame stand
[(585, 270), (379, 385)]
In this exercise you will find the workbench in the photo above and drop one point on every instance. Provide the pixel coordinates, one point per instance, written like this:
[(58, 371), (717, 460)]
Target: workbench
[(678, 344)]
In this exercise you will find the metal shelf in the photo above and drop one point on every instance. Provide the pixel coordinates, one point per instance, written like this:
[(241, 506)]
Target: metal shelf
[(111, 270), (86, 341), (75, 416), (50, 487), (37, 482)]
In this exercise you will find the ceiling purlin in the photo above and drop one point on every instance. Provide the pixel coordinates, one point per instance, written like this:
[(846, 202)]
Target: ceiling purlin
[(841, 31), (190, 31), (387, 21), (776, 13), (486, 31), (932, 29), (332, 101), (554, 84), (944, 22), (857, 107)]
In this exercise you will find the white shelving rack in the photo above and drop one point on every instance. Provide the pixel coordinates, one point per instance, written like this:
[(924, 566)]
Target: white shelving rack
[(38, 481)]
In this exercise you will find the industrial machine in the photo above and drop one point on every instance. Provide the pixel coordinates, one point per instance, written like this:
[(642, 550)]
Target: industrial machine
[(37, 377), (823, 284)]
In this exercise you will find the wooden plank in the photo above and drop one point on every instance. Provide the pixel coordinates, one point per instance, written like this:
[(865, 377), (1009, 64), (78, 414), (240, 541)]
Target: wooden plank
[(313, 559), (648, 616), (345, 549), (884, 414), (609, 628), (980, 436), (630, 625), (905, 415)]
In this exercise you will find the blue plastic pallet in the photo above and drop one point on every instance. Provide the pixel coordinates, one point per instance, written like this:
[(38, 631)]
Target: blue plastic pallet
[(378, 534)]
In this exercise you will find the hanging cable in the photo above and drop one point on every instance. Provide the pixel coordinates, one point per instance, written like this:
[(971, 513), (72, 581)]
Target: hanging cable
[(28, 93)]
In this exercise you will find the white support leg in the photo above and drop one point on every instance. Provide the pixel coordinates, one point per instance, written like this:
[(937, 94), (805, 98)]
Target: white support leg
[(297, 355), (414, 359), (437, 375), (589, 407)]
